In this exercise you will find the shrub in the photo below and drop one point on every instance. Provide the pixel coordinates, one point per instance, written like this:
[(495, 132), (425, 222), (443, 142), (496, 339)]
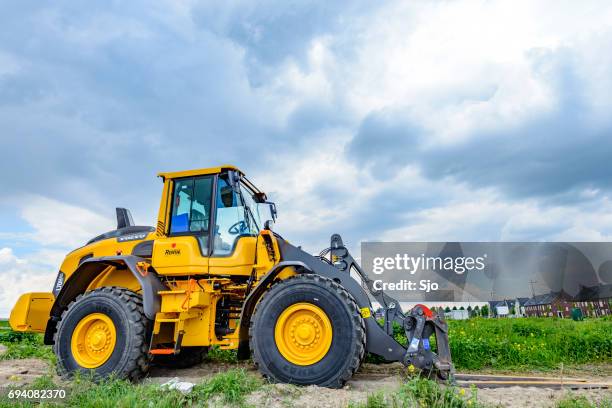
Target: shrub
[(420, 392)]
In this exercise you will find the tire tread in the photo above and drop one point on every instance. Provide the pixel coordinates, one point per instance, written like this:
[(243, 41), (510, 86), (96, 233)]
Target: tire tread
[(355, 360), (138, 358)]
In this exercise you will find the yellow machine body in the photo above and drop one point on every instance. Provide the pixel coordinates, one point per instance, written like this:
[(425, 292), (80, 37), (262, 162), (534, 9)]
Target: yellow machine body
[(31, 312), (195, 281)]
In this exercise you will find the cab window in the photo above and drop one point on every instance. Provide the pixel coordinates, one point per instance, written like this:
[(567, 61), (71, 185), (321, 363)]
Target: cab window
[(191, 203), (232, 218)]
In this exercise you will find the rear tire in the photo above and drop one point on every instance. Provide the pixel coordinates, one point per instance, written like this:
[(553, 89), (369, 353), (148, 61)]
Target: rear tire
[(331, 365), (188, 357), (110, 317)]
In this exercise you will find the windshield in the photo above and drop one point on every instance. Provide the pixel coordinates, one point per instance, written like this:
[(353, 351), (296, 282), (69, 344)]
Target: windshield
[(258, 212), (252, 212)]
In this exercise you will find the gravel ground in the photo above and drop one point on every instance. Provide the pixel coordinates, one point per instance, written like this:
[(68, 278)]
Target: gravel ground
[(19, 373), (371, 378)]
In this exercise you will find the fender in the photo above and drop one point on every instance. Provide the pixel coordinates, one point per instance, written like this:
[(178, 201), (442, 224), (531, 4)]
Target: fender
[(88, 270), (252, 298), (249, 304)]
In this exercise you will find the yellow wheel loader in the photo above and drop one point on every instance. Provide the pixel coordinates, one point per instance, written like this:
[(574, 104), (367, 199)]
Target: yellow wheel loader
[(213, 273)]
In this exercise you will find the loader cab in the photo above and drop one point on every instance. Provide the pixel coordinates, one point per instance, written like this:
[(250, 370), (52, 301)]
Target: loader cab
[(208, 223)]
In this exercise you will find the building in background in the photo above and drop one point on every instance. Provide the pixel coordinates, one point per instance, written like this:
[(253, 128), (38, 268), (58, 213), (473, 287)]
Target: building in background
[(457, 315), (519, 306), (508, 307), (499, 308), (594, 301)]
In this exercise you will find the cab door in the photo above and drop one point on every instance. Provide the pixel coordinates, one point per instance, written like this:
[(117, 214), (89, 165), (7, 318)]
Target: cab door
[(185, 248), (235, 231)]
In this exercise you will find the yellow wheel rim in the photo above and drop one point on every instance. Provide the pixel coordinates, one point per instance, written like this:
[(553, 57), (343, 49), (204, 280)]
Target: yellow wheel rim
[(93, 340), (303, 334)]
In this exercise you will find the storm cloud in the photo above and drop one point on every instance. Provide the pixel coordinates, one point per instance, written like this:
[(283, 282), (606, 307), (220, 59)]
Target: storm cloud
[(553, 155)]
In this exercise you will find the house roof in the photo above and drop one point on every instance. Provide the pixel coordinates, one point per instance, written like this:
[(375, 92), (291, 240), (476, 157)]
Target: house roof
[(585, 294), (507, 302), (595, 293), (495, 303), (522, 300), (545, 299)]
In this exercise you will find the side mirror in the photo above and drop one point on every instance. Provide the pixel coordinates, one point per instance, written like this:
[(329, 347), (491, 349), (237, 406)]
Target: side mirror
[(273, 210), (260, 197)]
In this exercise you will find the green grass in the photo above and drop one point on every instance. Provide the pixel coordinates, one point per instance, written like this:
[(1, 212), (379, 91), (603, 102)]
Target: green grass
[(24, 345), (8, 336), (215, 354), (420, 392), (576, 401), (423, 393), (230, 387), (529, 343), (376, 400), (524, 343)]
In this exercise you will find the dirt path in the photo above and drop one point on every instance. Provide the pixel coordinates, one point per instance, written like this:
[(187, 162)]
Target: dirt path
[(534, 397), (18, 373), (385, 378)]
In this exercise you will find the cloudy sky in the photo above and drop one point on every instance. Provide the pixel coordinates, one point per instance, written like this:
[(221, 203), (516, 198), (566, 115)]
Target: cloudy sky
[(438, 120)]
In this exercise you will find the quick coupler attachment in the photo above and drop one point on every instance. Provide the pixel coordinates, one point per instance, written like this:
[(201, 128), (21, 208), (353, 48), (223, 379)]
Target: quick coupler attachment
[(419, 324)]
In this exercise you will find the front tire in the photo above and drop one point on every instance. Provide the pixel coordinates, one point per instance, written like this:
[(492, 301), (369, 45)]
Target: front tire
[(308, 330), (104, 331)]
